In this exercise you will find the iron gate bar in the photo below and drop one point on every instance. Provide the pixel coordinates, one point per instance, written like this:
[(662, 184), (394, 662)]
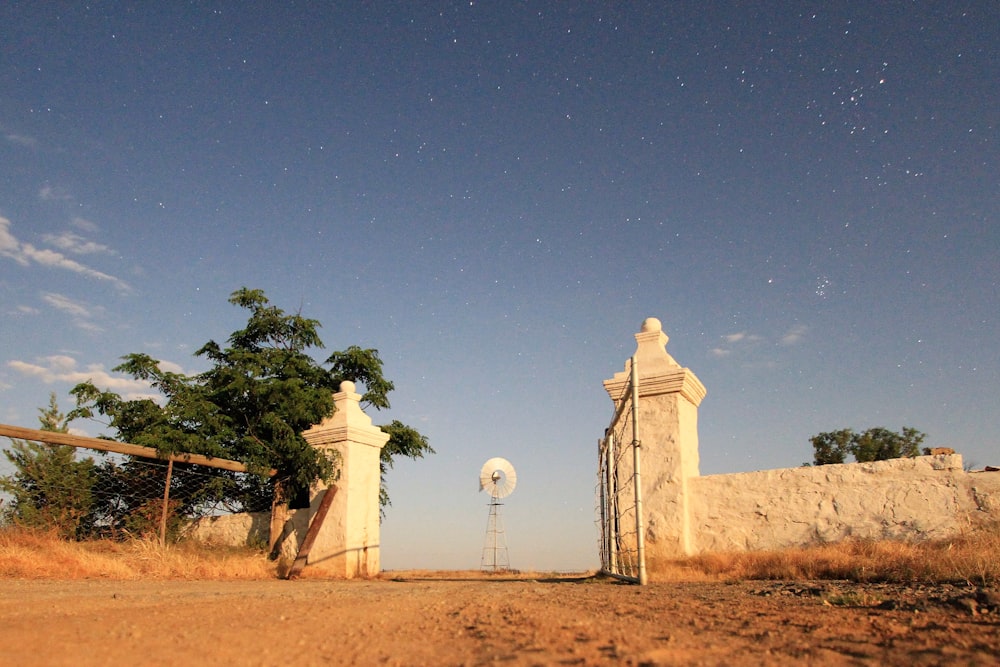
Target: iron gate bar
[(616, 543)]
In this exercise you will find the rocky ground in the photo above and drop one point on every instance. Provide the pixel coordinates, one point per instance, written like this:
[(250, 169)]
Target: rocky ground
[(442, 619)]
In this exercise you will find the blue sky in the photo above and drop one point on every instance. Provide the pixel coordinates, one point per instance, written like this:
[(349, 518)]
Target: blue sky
[(495, 195)]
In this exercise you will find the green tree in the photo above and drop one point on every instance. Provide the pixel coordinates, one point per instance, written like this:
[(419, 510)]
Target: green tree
[(51, 488), (831, 447), (262, 391), (875, 444)]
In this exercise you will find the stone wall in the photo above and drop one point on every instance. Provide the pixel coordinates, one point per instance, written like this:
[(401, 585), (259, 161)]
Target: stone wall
[(251, 529), (925, 497)]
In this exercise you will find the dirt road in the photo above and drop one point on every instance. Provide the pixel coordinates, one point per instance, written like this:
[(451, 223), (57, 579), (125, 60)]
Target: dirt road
[(436, 620)]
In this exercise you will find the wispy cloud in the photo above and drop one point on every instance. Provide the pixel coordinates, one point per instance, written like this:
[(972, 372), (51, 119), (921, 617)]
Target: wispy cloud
[(65, 304), (17, 138), (60, 368), (82, 314), (794, 335), (741, 341), (739, 336), (20, 139), (25, 254), (74, 243), (51, 193), (57, 260), (85, 225), (731, 342)]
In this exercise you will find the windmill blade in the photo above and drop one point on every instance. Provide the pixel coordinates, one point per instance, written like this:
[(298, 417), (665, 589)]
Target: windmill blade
[(498, 477)]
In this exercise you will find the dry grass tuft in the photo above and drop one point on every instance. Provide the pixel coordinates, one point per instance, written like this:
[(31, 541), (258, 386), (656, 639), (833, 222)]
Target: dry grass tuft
[(973, 558), (29, 554)]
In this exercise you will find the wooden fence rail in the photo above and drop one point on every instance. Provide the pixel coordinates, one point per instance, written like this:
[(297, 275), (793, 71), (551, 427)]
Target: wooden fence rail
[(54, 438)]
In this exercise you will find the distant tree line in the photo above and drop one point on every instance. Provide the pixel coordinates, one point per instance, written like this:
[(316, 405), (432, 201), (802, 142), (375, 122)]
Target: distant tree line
[(875, 444)]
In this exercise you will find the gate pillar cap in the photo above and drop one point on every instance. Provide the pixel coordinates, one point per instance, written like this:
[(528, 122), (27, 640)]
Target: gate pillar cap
[(651, 324), (659, 373), (347, 423)]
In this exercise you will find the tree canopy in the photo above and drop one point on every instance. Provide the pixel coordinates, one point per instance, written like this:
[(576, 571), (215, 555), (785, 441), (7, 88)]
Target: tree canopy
[(50, 488), (875, 444), (262, 391)]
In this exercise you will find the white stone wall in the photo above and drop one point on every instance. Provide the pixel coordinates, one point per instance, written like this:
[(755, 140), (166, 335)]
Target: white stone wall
[(914, 498), (249, 529), (986, 492)]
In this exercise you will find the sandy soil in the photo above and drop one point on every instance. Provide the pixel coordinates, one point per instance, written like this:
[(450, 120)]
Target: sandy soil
[(437, 619)]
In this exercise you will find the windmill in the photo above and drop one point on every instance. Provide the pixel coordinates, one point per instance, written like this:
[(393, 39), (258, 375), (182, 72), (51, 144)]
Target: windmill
[(497, 478)]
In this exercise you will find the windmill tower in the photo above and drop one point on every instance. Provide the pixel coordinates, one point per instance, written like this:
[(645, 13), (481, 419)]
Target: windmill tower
[(497, 478)]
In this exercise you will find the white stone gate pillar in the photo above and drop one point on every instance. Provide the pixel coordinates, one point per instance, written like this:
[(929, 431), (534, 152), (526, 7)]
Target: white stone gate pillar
[(669, 396), (348, 544)]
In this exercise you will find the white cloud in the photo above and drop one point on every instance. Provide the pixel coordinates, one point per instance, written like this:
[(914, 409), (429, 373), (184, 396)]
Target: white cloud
[(82, 314), (88, 326), (74, 243), (61, 362), (794, 335), (741, 336), (62, 368), (50, 193), (26, 253), (9, 245), (743, 341), (171, 367), (65, 304), (85, 225), (58, 260)]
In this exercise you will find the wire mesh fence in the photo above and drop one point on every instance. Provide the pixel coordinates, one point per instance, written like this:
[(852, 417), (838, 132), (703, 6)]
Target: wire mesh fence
[(86, 493), (149, 496), (619, 492)]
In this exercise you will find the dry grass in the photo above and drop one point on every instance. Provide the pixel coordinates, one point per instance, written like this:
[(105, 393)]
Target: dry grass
[(972, 558), (27, 554)]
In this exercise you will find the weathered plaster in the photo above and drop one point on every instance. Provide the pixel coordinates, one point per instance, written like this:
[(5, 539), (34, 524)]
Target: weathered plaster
[(348, 544), (669, 396)]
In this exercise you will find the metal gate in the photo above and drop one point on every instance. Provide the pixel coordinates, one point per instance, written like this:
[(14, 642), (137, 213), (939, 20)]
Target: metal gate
[(620, 490)]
